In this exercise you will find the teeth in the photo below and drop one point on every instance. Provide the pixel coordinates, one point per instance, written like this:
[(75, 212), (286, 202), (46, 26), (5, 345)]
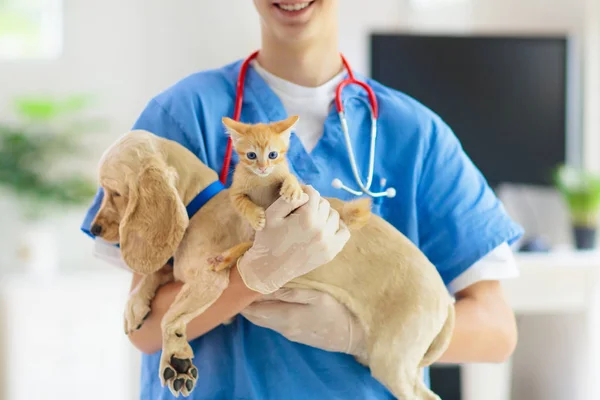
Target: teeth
[(294, 7)]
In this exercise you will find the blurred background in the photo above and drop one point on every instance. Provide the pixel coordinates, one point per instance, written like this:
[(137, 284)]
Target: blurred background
[(518, 80)]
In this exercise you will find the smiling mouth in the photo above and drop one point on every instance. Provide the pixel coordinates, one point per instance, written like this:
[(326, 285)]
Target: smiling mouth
[(294, 7)]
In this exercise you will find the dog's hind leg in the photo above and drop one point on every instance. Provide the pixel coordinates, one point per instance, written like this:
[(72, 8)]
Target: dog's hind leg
[(395, 351), (176, 368), (400, 373)]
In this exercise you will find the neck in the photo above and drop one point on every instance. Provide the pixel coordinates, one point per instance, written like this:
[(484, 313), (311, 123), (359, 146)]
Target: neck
[(308, 65)]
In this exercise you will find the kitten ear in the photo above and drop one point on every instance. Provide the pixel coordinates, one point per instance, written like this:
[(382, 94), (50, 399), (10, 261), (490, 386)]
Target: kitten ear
[(284, 127), (234, 128)]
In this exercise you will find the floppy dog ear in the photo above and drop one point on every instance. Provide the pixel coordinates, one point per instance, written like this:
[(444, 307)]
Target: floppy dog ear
[(154, 222)]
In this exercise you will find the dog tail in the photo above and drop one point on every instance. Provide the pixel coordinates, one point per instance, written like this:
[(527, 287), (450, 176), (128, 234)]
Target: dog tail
[(356, 213), (441, 341)]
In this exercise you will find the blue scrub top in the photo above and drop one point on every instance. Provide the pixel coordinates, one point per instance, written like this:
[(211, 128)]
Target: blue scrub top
[(443, 204)]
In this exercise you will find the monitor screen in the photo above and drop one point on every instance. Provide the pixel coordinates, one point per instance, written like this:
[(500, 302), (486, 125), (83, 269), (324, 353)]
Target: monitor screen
[(505, 98)]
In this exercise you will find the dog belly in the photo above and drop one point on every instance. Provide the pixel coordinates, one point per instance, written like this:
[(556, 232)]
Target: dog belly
[(375, 276)]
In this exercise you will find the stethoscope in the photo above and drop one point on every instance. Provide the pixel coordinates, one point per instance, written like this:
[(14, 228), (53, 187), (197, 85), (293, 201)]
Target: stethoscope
[(373, 108)]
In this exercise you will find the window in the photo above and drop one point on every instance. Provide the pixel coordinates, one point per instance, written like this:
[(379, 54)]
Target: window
[(30, 29)]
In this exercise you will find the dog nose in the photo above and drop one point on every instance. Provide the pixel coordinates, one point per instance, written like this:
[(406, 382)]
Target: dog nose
[(96, 230)]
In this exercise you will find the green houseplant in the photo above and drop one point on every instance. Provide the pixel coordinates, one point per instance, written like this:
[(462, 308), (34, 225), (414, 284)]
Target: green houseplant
[(38, 148), (42, 144), (581, 192)]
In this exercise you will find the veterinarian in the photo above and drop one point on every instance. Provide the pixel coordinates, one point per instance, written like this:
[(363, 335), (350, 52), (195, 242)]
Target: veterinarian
[(275, 349)]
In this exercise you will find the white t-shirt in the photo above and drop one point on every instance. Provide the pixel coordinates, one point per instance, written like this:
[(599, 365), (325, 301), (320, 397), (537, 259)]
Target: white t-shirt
[(313, 106)]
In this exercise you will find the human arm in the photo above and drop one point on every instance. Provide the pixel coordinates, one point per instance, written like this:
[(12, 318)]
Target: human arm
[(233, 300), (485, 329)]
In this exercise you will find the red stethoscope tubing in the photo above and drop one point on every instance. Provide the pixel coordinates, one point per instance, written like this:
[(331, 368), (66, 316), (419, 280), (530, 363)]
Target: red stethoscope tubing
[(239, 95)]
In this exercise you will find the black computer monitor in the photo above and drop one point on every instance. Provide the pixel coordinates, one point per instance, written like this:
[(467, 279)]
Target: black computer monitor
[(506, 98)]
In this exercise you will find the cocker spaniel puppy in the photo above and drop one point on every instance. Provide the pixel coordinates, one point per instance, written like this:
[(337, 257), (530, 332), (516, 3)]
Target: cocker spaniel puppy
[(380, 276)]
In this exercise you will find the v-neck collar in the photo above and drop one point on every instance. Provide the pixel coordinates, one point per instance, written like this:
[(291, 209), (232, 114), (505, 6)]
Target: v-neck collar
[(261, 97)]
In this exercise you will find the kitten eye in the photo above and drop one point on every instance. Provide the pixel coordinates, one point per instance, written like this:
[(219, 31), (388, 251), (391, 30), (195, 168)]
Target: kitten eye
[(251, 155), (273, 155), (116, 194)]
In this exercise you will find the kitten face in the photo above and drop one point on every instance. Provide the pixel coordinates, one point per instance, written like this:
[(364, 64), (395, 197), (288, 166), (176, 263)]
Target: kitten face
[(260, 153), (261, 147)]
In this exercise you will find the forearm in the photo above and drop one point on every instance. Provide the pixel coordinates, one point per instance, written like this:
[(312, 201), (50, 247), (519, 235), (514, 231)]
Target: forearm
[(485, 330), (233, 300)]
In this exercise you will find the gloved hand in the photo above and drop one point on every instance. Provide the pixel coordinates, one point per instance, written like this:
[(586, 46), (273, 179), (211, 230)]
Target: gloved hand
[(292, 243), (310, 317)]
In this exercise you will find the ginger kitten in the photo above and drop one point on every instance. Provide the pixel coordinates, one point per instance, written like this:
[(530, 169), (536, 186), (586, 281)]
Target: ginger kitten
[(262, 174)]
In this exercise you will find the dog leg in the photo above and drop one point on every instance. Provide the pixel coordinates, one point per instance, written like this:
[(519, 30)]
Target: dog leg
[(176, 368), (402, 377), (396, 349), (229, 258), (137, 309)]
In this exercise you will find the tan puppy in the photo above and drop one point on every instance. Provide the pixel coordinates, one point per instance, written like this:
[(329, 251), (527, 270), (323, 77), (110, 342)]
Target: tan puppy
[(381, 276)]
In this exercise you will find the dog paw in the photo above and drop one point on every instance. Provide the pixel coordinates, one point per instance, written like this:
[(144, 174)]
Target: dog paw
[(137, 311), (291, 191), (258, 220), (178, 373)]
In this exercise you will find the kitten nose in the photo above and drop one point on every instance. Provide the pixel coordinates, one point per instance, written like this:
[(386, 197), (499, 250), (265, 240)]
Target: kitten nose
[(262, 169), (96, 230)]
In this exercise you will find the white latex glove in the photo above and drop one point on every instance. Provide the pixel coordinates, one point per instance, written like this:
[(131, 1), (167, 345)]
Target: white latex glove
[(310, 317), (297, 238)]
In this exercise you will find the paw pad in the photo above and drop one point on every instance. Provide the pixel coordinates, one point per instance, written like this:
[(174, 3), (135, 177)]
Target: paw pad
[(180, 376)]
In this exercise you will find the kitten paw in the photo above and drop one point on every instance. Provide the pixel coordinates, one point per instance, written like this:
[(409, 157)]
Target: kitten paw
[(214, 262), (291, 191), (220, 263), (258, 220)]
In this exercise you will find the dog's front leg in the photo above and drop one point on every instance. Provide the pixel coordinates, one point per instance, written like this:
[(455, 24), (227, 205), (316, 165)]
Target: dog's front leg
[(176, 368), (138, 305)]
